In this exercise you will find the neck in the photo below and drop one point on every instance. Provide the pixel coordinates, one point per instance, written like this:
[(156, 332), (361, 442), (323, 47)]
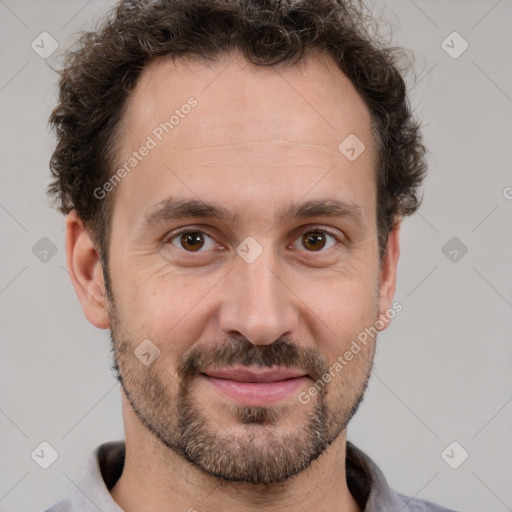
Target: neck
[(156, 478)]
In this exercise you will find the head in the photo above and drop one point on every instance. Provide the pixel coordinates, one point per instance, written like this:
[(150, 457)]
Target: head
[(234, 175)]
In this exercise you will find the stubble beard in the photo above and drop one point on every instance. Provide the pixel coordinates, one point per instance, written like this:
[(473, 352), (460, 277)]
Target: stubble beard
[(259, 451)]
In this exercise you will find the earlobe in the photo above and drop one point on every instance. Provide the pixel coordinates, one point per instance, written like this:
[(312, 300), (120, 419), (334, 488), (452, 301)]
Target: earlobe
[(85, 270), (387, 275)]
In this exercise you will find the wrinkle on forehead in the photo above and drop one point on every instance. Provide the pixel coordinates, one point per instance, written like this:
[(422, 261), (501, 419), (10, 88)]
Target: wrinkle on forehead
[(314, 99), (264, 143), (245, 119)]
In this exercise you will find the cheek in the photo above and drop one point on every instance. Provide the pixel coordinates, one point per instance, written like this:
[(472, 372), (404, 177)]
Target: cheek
[(163, 306), (344, 304), (353, 338), (348, 339)]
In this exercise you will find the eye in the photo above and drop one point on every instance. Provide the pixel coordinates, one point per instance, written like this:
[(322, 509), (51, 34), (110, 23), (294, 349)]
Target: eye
[(316, 240), (192, 241)]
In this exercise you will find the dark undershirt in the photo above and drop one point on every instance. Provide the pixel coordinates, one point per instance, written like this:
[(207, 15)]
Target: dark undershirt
[(112, 463)]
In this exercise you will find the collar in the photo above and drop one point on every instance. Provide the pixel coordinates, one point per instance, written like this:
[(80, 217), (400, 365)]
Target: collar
[(365, 481)]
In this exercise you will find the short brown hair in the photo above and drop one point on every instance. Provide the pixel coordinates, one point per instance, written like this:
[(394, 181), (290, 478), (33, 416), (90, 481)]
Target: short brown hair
[(102, 69)]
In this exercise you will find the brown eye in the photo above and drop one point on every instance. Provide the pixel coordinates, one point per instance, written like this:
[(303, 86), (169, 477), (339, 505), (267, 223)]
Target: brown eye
[(314, 240), (192, 241)]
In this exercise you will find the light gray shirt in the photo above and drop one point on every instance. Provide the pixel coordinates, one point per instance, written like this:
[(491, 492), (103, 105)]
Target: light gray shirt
[(364, 479)]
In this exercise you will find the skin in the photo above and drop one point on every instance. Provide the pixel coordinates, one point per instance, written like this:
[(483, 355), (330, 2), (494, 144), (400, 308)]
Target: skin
[(259, 140)]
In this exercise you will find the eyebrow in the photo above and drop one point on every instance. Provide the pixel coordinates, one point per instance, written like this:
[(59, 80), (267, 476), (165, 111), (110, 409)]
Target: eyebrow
[(177, 208)]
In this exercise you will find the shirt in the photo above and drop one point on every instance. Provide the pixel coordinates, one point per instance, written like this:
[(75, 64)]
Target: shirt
[(365, 481)]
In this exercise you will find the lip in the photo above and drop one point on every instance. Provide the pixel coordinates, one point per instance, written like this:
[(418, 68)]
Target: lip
[(244, 374), (259, 386)]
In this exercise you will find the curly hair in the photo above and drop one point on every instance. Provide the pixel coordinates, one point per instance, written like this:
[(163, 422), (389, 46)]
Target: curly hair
[(102, 69)]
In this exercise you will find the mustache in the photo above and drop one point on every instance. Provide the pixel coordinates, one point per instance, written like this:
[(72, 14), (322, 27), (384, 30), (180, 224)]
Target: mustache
[(242, 352)]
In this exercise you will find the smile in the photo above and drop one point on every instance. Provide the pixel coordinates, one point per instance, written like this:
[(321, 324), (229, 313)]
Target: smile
[(261, 386)]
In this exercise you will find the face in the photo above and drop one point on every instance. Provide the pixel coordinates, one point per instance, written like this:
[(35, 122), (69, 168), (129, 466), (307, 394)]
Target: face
[(244, 248)]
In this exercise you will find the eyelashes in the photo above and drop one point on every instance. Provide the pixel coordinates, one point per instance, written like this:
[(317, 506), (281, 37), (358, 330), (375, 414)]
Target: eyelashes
[(197, 241)]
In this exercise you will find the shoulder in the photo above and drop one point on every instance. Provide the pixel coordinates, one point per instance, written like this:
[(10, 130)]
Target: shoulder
[(366, 480), (61, 506), (417, 505)]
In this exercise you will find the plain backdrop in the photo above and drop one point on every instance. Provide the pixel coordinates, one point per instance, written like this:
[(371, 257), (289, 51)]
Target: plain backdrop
[(443, 368)]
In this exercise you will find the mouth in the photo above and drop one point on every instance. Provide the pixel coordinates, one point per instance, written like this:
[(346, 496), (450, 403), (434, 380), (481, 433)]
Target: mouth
[(256, 386)]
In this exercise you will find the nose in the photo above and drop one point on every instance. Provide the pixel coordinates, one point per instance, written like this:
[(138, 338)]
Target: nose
[(257, 302)]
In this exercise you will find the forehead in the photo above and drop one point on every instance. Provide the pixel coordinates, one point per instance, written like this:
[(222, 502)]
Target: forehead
[(313, 96), (250, 127)]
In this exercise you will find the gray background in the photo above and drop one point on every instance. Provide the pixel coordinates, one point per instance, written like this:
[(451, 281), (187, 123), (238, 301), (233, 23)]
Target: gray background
[(442, 369)]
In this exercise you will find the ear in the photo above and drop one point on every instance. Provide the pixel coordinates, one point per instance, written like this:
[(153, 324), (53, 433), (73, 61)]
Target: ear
[(85, 270), (387, 274)]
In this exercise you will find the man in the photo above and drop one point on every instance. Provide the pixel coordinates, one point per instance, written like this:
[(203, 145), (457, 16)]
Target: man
[(234, 175)]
